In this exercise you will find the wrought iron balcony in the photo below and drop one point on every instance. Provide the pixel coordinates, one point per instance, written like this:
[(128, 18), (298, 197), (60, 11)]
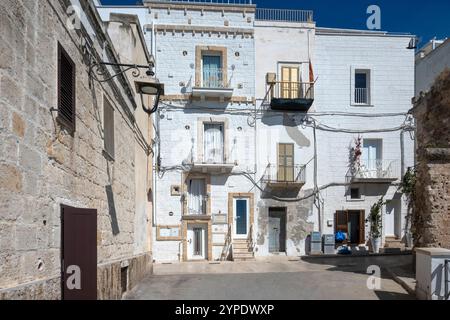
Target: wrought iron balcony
[(361, 95), (207, 2), (284, 15), (213, 84), (291, 96), (285, 176), (375, 171)]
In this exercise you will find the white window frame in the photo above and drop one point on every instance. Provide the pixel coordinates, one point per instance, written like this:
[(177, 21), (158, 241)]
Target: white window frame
[(370, 83)]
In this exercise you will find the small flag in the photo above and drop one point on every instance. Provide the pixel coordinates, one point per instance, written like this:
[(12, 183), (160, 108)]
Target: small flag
[(311, 72)]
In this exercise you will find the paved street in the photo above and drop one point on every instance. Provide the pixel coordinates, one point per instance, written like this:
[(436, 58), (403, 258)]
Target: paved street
[(283, 280)]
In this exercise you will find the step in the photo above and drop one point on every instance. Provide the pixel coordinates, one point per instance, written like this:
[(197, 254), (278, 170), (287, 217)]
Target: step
[(393, 243), (241, 245)]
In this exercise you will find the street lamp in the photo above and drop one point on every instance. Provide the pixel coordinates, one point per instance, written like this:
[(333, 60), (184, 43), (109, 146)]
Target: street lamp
[(153, 88)]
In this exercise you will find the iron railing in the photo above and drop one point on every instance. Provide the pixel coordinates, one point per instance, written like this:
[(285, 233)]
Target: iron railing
[(284, 15), (362, 95), (446, 270), (376, 169), (285, 174), (292, 90), (224, 2), (214, 78), (202, 205)]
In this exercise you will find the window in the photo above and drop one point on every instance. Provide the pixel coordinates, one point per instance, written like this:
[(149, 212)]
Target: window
[(362, 86), (355, 194), (198, 242), (196, 197), (285, 162), (290, 83), (66, 90), (214, 143), (212, 71), (108, 130), (371, 158)]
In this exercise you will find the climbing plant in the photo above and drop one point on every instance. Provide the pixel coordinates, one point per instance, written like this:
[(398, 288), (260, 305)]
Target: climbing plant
[(413, 222), (375, 219)]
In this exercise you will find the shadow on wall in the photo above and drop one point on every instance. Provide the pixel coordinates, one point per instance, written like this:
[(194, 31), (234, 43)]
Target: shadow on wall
[(112, 210)]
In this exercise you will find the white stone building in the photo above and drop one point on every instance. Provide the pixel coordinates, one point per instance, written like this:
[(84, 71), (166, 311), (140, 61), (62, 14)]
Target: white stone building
[(431, 60), (254, 136)]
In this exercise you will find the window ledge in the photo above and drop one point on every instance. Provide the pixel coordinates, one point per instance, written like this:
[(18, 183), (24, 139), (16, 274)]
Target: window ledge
[(362, 105)]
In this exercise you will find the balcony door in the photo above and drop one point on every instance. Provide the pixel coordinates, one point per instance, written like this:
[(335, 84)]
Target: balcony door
[(289, 82), (214, 143), (212, 71), (197, 197), (372, 156), (285, 172)]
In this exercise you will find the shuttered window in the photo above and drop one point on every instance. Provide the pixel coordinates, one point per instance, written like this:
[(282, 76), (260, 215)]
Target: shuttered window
[(66, 90), (108, 123), (285, 162)]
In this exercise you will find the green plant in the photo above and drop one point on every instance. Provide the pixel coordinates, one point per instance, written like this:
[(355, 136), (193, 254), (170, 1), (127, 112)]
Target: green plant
[(376, 219)]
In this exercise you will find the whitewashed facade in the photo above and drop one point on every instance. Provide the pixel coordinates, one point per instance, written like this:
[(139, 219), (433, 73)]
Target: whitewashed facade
[(236, 177)]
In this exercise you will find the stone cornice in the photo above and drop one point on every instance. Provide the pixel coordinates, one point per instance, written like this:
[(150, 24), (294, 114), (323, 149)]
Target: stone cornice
[(203, 29)]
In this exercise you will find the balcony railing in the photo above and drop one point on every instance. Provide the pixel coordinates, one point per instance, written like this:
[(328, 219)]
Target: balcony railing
[(291, 96), (386, 170), (361, 95), (275, 174), (198, 208), (223, 2), (284, 15), (214, 78)]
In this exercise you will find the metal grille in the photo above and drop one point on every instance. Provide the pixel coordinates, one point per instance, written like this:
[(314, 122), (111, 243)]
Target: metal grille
[(198, 241), (66, 89), (285, 15)]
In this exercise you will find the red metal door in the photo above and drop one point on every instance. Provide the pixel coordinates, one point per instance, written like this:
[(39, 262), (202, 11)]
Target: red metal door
[(79, 253)]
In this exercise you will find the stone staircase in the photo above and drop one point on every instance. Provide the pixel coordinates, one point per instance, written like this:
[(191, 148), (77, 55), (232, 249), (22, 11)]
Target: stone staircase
[(393, 244), (242, 250)]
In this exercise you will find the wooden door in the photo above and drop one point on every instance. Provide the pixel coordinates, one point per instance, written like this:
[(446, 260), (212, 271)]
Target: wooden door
[(351, 222), (79, 253)]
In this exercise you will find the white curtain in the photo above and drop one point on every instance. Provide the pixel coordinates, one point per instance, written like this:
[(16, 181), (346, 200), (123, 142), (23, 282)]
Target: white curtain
[(196, 196), (371, 155), (213, 143)]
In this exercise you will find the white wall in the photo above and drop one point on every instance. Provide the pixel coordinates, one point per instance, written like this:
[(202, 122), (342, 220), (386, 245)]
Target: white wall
[(430, 67)]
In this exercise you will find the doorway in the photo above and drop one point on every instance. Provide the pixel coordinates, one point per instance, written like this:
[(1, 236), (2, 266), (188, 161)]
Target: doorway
[(79, 253), (392, 219), (352, 224), (197, 240), (241, 217), (277, 230)]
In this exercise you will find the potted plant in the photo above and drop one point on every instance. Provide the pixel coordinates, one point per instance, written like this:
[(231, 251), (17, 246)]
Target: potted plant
[(375, 220)]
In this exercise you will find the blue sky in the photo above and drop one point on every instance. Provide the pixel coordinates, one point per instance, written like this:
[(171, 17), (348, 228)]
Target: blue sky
[(426, 19)]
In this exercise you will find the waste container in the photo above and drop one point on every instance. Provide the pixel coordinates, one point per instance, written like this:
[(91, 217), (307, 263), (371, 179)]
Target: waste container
[(316, 243), (329, 244)]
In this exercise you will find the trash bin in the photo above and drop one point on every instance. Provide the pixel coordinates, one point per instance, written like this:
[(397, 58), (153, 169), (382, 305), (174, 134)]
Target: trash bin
[(329, 244), (316, 243)]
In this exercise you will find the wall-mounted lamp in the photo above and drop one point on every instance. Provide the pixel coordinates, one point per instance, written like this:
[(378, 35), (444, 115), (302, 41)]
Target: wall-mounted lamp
[(153, 88)]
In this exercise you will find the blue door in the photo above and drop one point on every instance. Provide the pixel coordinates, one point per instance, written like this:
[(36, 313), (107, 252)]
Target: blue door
[(241, 217)]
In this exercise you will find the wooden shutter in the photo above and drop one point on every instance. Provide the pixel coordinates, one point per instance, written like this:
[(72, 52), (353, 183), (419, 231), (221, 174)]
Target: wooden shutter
[(66, 89), (108, 123), (289, 79), (286, 162)]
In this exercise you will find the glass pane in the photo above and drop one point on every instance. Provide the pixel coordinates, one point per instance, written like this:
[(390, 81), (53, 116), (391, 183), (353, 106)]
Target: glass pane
[(360, 80), (241, 217)]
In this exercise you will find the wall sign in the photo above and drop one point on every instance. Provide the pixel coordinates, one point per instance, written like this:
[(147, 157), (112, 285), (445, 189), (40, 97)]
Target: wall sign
[(168, 233)]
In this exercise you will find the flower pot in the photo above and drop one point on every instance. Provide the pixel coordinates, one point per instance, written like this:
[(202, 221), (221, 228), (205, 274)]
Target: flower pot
[(376, 244)]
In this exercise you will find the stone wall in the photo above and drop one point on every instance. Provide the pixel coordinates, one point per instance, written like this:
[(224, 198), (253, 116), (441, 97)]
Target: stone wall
[(432, 204), (43, 167)]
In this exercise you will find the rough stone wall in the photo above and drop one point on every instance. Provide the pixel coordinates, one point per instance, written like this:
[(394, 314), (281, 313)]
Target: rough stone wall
[(432, 204), (42, 167)]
